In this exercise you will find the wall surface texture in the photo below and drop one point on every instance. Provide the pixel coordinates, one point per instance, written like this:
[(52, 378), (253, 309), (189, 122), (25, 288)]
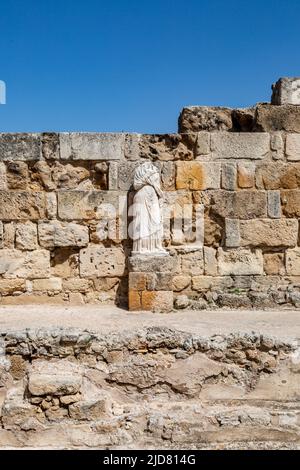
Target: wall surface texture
[(64, 200)]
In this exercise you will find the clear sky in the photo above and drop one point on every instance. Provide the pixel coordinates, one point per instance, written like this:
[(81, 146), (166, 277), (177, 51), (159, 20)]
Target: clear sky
[(131, 65)]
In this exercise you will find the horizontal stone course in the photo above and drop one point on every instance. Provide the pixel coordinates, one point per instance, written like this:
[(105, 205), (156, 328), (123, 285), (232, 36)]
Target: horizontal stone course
[(24, 147), (91, 146), (267, 232), (235, 145)]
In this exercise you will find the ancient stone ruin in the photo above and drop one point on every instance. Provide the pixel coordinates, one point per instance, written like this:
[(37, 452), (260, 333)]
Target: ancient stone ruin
[(214, 215), (65, 199)]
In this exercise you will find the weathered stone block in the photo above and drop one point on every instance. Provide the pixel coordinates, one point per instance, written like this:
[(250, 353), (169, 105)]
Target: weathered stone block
[(197, 175), (157, 301), (290, 200), (181, 282), (50, 145), (44, 285), (26, 236), (274, 204), (229, 176), (293, 147), (210, 261), (147, 263), (74, 284), (3, 179), (204, 118), (192, 263), (91, 146), (89, 410), (232, 233), (113, 176), (56, 377), (292, 260), (244, 145), (9, 286), (274, 263), (277, 118), (168, 176), (246, 174), (31, 264), (240, 262), (202, 144), (277, 144), (16, 205), (56, 233), (239, 205), (20, 147), (77, 205), (150, 281), (134, 300), (286, 91), (132, 146), (205, 283), (97, 261), (266, 232)]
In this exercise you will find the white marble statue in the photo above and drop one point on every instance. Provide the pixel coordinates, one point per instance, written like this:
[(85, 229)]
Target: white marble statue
[(147, 227)]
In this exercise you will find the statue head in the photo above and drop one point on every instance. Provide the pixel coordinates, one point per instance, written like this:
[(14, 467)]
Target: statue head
[(147, 174)]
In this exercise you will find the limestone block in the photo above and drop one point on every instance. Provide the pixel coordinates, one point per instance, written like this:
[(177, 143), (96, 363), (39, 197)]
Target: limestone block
[(89, 410), (132, 146), (22, 264), (239, 204), (91, 146), (16, 205), (78, 205), (290, 200), (125, 174), (240, 145), (20, 147), (97, 261), (75, 284), (197, 175), (55, 377), (168, 176), (274, 204), (181, 282), (202, 144), (229, 176), (56, 233), (149, 263), (192, 263), (9, 230), (292, 260), (274, 263), (48, 284), (240, 262), (205, 118), (9, 286), (1, 235), (113, 176), (267, 232), (26, 236), (157, 301), (246, 174), (232, 233), (210, 261), (277, 145), (50, 145), (134, 300), (277, 118), (51, 205), (286, 91), (205, 283), (293, 147)]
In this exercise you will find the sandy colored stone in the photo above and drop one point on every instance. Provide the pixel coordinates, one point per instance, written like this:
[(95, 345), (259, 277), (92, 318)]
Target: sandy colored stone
[(192, 263), (26, 236), (277, 118), (22, 264), (267, 232), (91, 146), (86, 205), (204, 283), (229, 176), (20, 146), (16, 205), (290, 200), (56, 377), (49, 284), (210, 261), (246, 174), (9, 286), (205, 118), (56, 233), (293, 147), (292, 260), (197, 175), (134, 300), (76, 285), (240, 145), (99, 261), (240, 261), (157, 301), (181, 282), (274, 263), (239, 204)]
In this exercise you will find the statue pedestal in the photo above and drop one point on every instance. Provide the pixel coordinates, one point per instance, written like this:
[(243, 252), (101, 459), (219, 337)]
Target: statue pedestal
[(150, 282)]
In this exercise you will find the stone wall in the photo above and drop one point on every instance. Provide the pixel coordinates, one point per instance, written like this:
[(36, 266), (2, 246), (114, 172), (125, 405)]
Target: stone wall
[(149, 388), (64, 200)]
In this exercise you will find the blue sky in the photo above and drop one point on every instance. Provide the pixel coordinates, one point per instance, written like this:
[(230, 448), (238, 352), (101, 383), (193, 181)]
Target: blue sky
[(131, 65)]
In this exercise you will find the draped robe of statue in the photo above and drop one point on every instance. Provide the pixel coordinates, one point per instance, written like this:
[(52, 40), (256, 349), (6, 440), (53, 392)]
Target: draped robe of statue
[(147, 228)]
